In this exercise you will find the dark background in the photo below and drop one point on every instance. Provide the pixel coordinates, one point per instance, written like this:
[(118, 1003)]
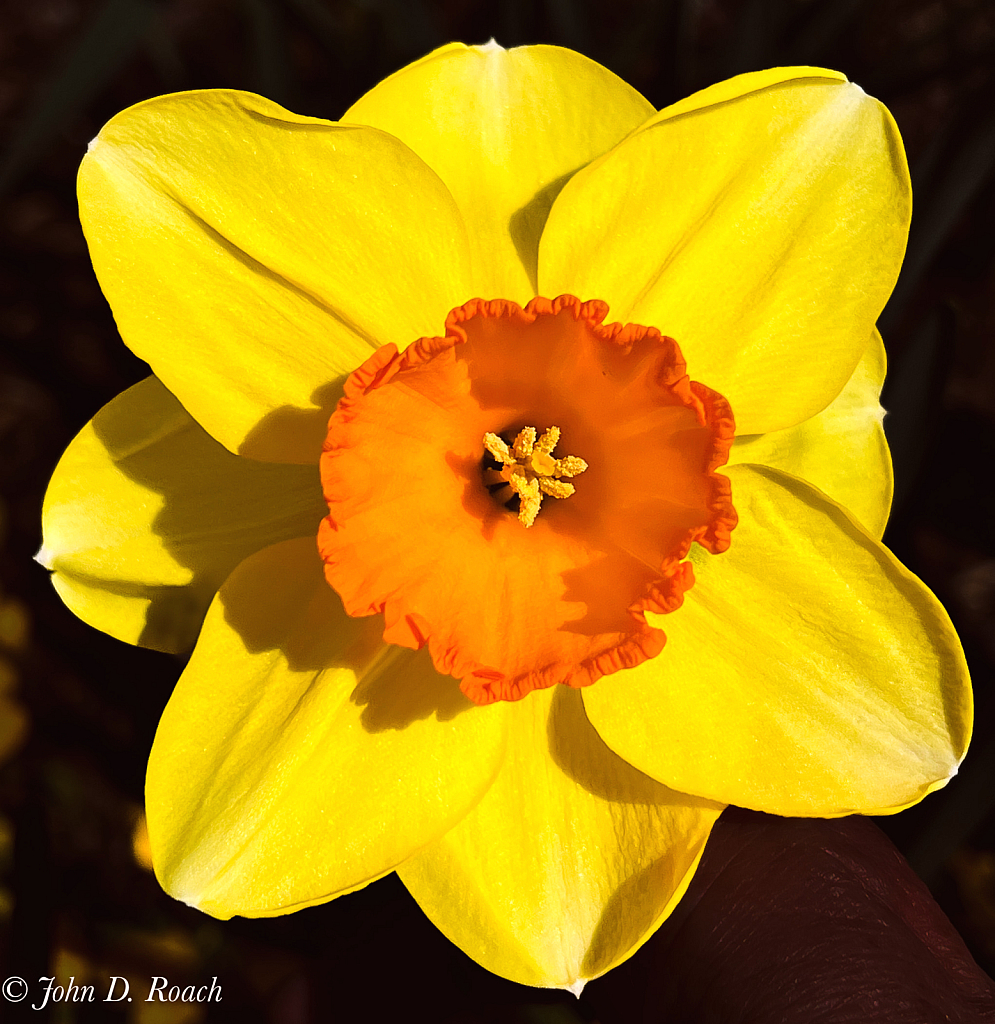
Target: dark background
[(78, 710)]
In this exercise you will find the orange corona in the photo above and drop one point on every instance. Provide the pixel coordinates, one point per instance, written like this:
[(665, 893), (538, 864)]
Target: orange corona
[(434, 476)]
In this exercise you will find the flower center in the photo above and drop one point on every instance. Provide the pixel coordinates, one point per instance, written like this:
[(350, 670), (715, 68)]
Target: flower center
[(529, 468), (416, 529)]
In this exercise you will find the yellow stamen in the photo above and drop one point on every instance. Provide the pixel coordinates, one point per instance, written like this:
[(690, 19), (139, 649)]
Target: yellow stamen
[(531, 471)]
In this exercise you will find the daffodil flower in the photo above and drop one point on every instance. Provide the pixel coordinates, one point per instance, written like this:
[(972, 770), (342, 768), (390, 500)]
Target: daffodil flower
[(608, 465)]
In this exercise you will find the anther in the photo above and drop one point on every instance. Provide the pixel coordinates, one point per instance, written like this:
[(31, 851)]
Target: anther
[(529, 467)]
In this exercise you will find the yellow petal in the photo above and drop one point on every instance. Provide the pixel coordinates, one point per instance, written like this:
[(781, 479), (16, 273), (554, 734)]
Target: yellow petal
[(807, 673), (570, 861), (301, 757), (841, 450), (504, 129), (761, 224), (254, 257), (146, 515)]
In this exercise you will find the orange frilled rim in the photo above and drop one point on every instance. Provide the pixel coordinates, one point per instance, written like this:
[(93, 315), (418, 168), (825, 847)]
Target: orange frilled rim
[(414, 533)]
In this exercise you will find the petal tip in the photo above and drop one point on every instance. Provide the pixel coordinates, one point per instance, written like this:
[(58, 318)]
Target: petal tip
[(577, 987), (491, 46)]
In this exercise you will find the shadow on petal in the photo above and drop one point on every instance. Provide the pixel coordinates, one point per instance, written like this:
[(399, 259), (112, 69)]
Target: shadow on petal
[(174, 616), (293, 435), (629, 914), (211, 509), (526, 223), (281, 601), (403, 687), (582, 755), (642, 896)]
